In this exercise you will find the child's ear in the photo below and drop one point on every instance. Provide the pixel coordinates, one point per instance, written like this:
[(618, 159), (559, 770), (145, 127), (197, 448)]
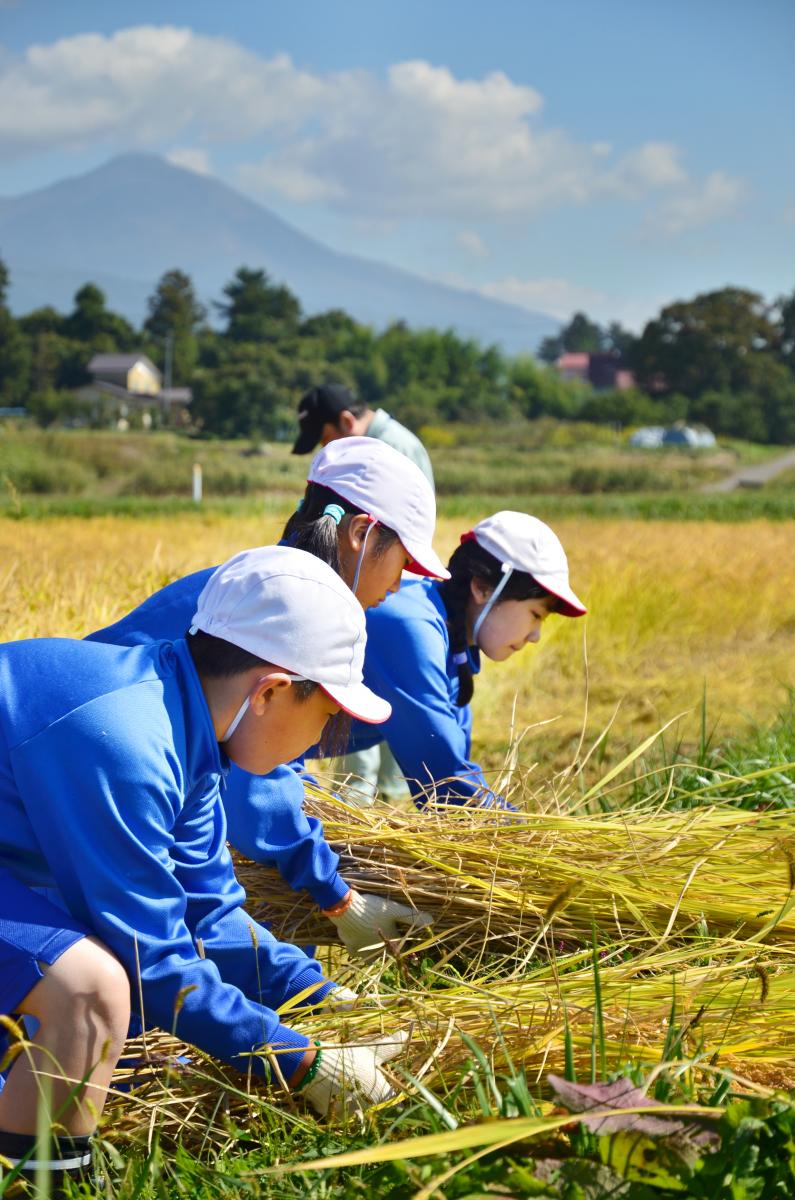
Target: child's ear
[(266, 688), (357, 527), (480, 590)]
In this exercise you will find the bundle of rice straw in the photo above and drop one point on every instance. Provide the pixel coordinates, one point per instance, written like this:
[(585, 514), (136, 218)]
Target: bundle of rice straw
[(693, 916), (734, 1009), (501, 881)]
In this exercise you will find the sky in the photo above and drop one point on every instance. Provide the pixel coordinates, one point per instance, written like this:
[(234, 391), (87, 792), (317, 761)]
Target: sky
[(561, 154)]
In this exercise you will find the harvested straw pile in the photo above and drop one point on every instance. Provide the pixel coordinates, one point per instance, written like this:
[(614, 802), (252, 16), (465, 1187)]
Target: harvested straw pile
[(694, 917), (502, 883), (734, 1010)]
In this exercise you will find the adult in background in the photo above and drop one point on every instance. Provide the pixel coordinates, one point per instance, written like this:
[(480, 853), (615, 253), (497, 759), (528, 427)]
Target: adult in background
[(326, 413), (332, 411), (111, 759)]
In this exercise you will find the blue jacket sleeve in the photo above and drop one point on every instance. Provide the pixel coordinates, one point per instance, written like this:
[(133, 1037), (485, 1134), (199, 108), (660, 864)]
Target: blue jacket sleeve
[(133, 857), (266, 821), (406, 663)]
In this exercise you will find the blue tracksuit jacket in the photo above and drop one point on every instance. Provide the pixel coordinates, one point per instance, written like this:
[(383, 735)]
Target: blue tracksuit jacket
[(109, 782), (409, 663), (265, 816)]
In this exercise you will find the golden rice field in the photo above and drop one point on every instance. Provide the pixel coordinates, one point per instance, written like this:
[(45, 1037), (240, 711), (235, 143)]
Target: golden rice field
[(674, 609), (694, 905)]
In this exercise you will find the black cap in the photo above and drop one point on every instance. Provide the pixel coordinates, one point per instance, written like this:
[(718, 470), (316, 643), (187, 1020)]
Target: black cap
[(316, 409)]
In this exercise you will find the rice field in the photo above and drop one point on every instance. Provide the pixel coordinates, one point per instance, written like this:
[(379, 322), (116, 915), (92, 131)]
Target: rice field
[(582, 936), (677, 611)]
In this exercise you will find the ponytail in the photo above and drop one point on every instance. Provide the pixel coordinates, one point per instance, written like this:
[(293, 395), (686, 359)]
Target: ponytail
[(470, 561), (315, 529)]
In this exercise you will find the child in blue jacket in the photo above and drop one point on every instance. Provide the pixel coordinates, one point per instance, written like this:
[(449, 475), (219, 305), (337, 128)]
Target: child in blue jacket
[(111, 759), (424, 645), (370, 513)]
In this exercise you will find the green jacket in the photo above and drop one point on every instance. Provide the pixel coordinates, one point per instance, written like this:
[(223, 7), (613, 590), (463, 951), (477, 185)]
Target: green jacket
[(388, 430)]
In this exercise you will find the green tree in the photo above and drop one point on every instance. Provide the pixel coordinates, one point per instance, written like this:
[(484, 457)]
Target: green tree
[(92, 323), (14, 351), (540, 392), (581, 335), (710, 343), (618, 340), (256, 310), (174, 318), (786, 310)]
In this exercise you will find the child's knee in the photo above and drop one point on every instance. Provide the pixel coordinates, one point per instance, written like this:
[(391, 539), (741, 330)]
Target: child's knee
[(89, 983), (112, 990)]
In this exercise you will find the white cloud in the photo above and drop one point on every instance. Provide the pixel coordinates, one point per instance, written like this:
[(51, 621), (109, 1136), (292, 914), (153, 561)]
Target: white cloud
[(147, 84), (652, 165), (558, 297), (473, 243), (561, 298), (419, 142), (192, 158), (699, 205)]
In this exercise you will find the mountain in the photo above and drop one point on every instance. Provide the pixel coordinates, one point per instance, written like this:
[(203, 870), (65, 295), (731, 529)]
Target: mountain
[(122, 225)]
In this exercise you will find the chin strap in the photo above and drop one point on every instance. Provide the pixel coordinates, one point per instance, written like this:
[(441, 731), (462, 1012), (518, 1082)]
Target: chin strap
[(238, 717), (360, 559), (507, 572)]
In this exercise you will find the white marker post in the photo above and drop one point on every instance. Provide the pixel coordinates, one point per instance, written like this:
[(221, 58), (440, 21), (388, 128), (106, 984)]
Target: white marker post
[(197, 483)]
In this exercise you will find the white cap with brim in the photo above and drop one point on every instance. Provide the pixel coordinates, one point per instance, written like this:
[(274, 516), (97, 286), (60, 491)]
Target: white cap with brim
[(389, 487), (292, 610), (524, 543)]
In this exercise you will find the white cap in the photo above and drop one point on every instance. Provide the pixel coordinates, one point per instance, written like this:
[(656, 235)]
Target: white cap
[(292, 610), (389, 487), (526, 544)]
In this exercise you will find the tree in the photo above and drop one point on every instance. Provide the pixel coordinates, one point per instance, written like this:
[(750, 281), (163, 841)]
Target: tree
[(257, 310), (175, 316), (710, 343), (786, 310), (92, 323), (14, 352), (581, 335), (618, 340)]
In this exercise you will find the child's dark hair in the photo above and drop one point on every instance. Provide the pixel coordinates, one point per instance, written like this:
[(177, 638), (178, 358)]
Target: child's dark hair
[(214, 658), (314, 531), (470, 561)]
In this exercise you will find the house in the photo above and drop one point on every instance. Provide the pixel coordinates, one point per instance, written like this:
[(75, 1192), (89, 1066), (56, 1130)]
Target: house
[(604, 372), (134, 373), (129, 387)]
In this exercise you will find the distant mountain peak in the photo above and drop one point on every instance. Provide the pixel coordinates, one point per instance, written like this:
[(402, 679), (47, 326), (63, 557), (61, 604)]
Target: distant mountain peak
[(125, 222)]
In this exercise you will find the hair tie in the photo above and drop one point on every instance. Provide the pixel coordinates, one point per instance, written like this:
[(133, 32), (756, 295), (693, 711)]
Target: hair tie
[(461, 659), (335, 511), (468, 537)]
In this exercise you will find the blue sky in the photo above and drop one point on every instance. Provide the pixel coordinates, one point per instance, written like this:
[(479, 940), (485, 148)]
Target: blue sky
[(560, 154)]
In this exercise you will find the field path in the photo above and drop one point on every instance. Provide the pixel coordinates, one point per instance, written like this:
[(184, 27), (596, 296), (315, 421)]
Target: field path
[(753, 476)]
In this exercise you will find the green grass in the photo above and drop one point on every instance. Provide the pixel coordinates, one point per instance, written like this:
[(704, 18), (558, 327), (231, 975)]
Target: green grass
[(719, 771), (548, 467), (733, 507)]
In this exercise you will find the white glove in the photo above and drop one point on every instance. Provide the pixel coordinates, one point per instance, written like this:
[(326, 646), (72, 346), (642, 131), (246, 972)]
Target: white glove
[(340, 999), (349, 1075), (371, 920)]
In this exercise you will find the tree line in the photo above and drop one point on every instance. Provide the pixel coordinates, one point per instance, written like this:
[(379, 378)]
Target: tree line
[(725, 358)]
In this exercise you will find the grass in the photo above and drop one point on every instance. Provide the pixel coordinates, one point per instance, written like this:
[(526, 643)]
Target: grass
[(588, 469)]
